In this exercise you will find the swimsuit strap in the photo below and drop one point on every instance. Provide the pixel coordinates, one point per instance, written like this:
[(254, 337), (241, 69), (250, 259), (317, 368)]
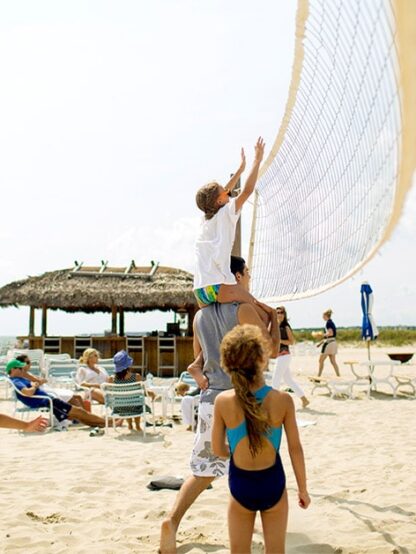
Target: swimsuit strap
[(236, 434), (261, 393)]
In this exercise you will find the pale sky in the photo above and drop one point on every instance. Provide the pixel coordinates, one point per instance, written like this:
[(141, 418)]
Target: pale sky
[(114, 113)]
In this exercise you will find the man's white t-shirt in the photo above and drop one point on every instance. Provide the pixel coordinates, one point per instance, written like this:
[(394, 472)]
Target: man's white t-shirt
[(213, 248)]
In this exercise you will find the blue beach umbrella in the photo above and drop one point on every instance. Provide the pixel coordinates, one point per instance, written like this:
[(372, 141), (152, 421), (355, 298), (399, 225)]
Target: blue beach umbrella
[(369, 330)]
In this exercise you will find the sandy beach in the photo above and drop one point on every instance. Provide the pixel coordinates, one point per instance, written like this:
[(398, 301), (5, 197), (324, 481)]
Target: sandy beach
[(69, 492)]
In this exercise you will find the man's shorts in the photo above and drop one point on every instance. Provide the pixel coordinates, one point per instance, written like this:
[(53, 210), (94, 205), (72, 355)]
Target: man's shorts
[(203, 462), (61, 409), (207, 295)]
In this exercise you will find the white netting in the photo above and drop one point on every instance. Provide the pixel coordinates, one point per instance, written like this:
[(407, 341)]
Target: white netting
[(327, 191)]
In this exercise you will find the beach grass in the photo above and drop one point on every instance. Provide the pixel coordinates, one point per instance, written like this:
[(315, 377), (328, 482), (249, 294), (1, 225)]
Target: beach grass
[(388, 336)]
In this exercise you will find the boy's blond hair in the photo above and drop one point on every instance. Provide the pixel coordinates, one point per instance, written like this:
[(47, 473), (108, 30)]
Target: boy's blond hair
[(182, 388), (206, 199)]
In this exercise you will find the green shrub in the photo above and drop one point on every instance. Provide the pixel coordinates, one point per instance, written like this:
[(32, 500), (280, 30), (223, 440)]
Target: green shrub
[(388, 336)]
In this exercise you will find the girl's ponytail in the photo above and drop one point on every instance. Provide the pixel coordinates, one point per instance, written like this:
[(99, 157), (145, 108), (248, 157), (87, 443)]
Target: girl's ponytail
[(243, 352)]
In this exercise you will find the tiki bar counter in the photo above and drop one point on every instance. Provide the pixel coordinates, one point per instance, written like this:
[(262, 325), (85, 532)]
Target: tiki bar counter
[(116, 291)]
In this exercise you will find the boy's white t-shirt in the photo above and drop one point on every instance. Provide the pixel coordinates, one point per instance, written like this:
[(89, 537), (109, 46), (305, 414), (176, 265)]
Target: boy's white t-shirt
[(213, 248)]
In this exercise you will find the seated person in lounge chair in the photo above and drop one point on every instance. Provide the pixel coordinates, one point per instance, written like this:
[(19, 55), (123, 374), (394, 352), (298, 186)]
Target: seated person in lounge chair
[(61, 410), (124, 375), (90, 375), (66, 395), (188, 402)]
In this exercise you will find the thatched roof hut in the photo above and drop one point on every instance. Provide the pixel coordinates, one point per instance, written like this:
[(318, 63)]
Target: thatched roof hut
[(104, 289)]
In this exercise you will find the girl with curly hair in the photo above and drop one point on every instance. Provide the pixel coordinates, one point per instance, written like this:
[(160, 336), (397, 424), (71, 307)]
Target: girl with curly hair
[(252, 416)]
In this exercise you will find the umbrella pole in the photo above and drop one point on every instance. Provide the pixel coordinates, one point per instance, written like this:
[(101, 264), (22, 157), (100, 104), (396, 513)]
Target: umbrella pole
[(369, 359)]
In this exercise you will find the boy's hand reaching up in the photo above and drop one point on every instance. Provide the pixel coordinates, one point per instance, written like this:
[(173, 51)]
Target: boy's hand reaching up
[(259, 150), (243, 162)]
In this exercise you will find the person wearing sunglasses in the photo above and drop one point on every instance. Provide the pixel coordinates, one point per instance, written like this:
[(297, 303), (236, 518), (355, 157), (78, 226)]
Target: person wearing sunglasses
[(282, 368)]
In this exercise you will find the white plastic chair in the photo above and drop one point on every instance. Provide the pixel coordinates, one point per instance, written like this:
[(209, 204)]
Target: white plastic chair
[(36, 356), (107, 364), (3, 379), (59, 372), (126, 401), (57, 357), (186, 377), (19, 407)]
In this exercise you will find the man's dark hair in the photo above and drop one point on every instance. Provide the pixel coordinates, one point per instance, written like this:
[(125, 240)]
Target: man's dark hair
[(237, 265), (22, 358)]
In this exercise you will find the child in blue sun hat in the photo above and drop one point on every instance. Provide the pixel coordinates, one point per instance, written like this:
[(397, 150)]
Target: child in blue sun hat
[(123, 375)]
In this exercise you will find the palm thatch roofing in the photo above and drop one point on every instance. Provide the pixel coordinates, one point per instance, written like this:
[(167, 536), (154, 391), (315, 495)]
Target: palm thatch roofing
[(98, 289)]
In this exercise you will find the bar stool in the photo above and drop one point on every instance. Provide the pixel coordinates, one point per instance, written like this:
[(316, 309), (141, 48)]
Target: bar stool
[(135, 347), (167, 356), (52, 345), (81, 344)]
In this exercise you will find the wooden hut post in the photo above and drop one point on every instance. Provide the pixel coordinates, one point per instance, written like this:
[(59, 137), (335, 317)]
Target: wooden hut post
[(32, 322), (44, 321), (121, 321), (113, 320)]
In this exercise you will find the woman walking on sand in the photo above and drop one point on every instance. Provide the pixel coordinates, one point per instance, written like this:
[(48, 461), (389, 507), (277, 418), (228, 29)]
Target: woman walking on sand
[(329, 344), (282, 368)]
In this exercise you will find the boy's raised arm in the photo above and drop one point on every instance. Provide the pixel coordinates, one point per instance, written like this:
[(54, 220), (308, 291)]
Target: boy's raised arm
[(252, 178), (232, 183)]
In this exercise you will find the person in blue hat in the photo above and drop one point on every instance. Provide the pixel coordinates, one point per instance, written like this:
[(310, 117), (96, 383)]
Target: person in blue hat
[(123, 376)]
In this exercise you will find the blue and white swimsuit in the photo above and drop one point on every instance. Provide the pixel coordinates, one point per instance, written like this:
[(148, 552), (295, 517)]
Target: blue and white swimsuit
[(256, 489)]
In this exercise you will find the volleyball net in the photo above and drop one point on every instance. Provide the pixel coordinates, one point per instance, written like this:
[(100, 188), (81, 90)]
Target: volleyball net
[(333, 186)]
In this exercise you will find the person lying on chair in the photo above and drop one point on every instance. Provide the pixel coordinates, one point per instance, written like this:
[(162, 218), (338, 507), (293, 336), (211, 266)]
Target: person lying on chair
[(66, 395), (61, 410)]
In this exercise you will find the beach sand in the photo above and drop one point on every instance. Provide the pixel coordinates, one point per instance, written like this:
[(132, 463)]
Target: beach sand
[(69, 492)]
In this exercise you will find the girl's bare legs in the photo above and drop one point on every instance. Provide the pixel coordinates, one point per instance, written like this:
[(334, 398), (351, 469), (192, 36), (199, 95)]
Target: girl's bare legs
[(334, 364), (236, 293), (240, 527), (274, 523), (137, 423)]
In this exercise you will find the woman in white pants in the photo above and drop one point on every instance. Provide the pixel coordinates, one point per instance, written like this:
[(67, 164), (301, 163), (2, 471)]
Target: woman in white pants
[(282, 368)]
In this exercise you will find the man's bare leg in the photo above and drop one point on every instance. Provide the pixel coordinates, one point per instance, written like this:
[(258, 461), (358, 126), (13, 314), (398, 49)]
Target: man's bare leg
[(187, 495), (86, 417)]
